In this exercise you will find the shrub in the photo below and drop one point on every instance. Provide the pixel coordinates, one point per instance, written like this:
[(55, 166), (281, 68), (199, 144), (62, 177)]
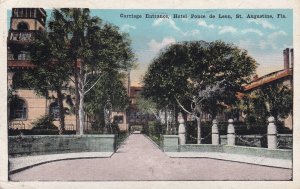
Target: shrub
[(44, 122)]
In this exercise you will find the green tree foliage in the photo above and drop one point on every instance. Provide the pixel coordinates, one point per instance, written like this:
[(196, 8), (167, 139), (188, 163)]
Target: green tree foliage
[(80, 46), (52, 70), (44, 122), (94, 48), (183, 72), (110, 87), (270, 100), (147, 106)]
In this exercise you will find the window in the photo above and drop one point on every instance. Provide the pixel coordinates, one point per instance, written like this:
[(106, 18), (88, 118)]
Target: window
[(23, 26), (54, 110), (118, 119), (18, 109)]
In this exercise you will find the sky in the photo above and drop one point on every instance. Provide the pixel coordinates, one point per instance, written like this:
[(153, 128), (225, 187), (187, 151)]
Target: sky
[(263, 38)]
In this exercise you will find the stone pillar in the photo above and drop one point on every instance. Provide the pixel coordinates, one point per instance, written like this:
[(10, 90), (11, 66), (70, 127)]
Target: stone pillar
[(215, 133), (272, 133), (181, 131), (230, 133)]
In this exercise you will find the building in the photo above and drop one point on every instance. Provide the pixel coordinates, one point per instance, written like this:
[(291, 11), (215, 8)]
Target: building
[(28, 106), (284, 77)]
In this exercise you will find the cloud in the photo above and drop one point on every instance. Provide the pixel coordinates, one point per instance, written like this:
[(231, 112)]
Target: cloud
[(171, 23), (247, 44), (165, 21), (250, 30), (190, 33), (204, 24), (156, 46), (272, 39), (227, 29), (127, 28), (264, 23)]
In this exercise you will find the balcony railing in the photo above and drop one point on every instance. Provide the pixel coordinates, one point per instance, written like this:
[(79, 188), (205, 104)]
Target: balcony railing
[(21, 56), (21, 36)]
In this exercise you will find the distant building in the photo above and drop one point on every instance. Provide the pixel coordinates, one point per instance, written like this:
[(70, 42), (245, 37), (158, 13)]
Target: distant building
[(284, 77), (134, 115)]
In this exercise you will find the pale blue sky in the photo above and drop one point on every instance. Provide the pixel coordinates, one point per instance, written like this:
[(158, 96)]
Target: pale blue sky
[(264, 39)]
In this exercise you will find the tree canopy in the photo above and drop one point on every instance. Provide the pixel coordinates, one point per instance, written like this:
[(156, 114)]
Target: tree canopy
[(182, 72), (182, 69), (83, 47)]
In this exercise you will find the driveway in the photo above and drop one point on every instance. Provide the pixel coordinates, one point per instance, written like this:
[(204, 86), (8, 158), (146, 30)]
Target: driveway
[(140, 159)]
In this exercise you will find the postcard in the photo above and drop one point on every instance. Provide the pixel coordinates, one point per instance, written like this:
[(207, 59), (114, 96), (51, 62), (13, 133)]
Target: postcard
[(157, 94)]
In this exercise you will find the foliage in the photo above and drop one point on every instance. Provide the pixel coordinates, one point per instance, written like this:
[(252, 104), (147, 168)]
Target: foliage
[(44, 122), (182, 70), (155, 131), (271, 100), (110, 87), (147, 106), (52, 70), (94, 48), (198, 76), (11, 96)]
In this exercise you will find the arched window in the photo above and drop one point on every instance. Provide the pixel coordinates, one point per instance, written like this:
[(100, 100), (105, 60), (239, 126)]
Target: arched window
[(19, 81), (23, 26), (18, 109), (54, 110)]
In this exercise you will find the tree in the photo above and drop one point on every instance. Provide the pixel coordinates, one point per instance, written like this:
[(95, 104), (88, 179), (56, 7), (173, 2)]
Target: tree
[(185, 72), (147, 106), (94, 49), (274, 100), (111, 88), (48, 53)]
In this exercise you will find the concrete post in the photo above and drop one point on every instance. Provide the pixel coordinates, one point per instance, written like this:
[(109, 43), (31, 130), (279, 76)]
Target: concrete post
[(230, 133), (215, 133), (181, 131), (272, 133)]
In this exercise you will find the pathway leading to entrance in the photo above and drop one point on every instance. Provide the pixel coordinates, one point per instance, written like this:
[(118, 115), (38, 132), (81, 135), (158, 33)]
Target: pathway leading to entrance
[(140, 159)]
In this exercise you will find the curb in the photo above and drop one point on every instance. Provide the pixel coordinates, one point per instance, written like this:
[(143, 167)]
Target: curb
[(40, 162)]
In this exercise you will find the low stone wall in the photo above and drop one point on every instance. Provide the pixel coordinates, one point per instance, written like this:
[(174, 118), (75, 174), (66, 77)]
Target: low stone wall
[(261, 152), (200, 148), (54, 144), (285, 141), (171, 145)]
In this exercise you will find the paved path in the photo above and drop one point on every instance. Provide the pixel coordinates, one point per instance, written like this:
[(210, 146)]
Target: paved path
[(24, 162), (140, 159)]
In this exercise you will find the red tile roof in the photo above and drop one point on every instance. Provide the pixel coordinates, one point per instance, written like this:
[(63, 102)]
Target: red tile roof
[(268, 79)]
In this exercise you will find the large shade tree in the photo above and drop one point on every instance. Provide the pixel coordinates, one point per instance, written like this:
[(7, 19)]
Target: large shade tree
[(89, 48), (49, 54), (200, 77)]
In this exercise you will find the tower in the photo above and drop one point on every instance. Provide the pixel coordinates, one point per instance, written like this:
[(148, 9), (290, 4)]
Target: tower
[(24, 23)]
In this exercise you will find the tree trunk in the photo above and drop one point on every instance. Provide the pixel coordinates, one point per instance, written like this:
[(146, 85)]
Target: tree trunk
[(198, 130), (61, 111), (81, 98), (76, 96), (166, 122), (176, 118), (81, 112)]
